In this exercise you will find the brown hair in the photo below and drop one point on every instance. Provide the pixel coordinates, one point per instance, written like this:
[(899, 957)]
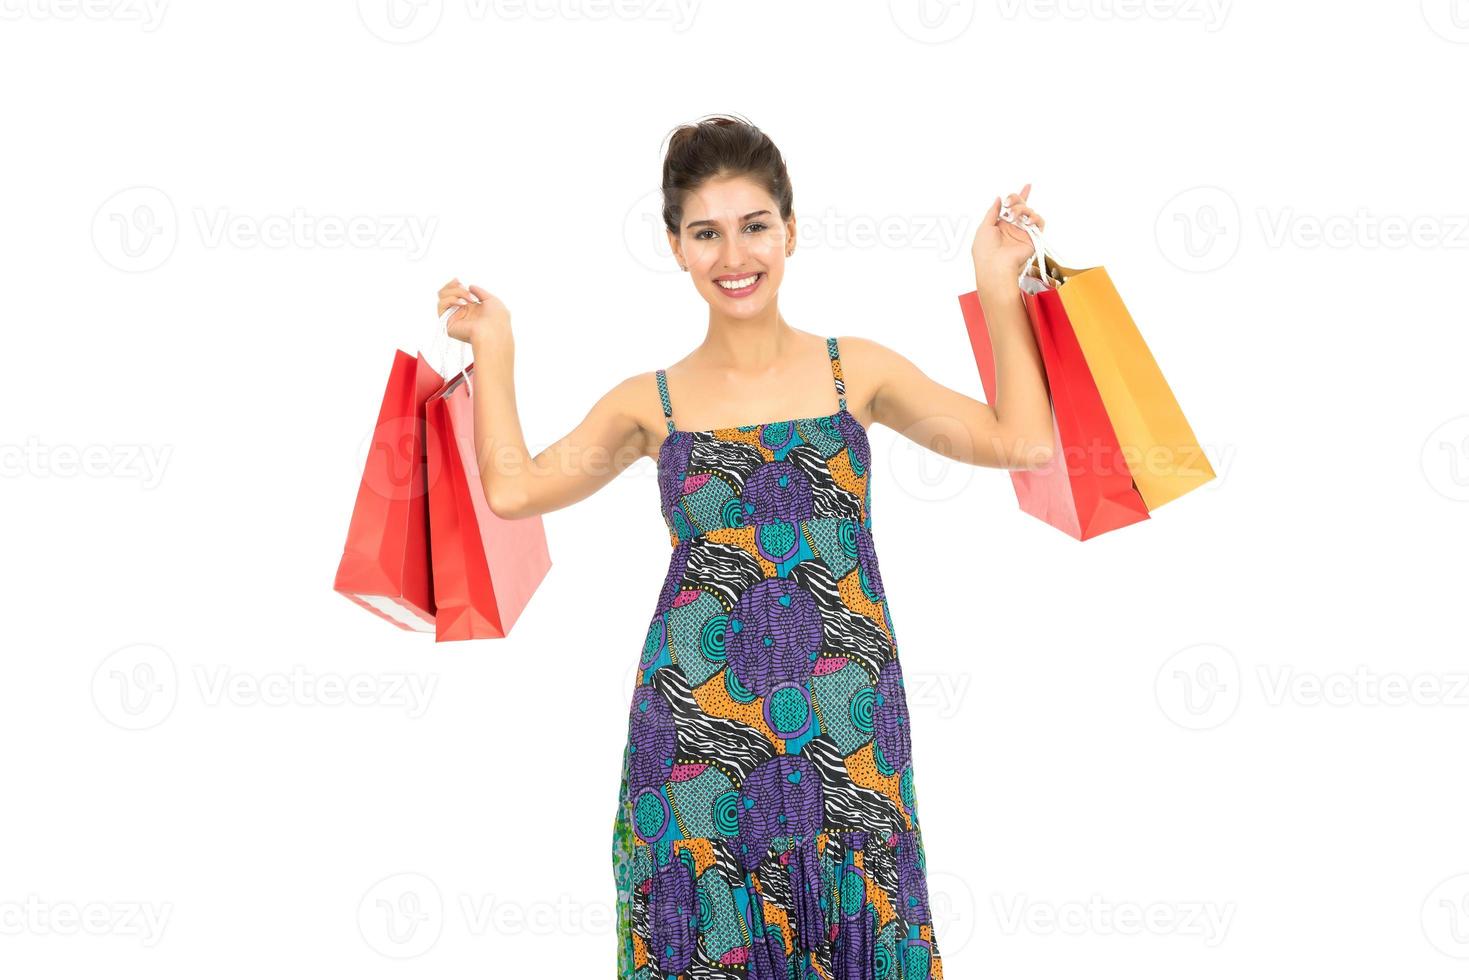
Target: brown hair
[(720, 146)]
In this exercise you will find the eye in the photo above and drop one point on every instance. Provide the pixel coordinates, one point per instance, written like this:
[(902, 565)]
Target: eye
[(758, 227)]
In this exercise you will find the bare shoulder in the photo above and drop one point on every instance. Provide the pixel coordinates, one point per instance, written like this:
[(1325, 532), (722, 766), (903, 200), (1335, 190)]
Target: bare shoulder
[(635, 400), (866, 366)]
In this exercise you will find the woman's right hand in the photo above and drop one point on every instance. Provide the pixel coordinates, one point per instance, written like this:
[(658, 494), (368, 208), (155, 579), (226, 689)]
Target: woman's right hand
[(482, 317)]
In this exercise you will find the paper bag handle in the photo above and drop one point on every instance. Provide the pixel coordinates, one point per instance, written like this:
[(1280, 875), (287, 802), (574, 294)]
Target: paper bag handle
[(442, 334)]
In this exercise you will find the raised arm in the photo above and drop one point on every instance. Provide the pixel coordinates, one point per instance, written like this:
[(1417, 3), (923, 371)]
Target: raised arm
[(1015, 432), (603, 444)]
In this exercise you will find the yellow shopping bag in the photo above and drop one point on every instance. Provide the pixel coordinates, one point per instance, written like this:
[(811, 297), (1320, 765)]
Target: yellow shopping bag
[(1157, 443)]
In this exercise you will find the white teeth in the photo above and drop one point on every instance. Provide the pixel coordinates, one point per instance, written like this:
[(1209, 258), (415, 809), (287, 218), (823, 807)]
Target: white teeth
[(738, 283)]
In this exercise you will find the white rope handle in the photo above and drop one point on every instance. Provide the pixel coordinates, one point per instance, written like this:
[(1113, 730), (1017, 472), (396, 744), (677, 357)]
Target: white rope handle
[(442, 334), (1038, 258)]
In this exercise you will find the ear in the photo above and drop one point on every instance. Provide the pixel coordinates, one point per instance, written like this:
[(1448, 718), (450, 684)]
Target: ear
[(673, 246)]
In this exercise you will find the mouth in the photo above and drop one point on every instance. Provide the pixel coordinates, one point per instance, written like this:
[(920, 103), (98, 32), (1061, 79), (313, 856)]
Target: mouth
[(743, 286)]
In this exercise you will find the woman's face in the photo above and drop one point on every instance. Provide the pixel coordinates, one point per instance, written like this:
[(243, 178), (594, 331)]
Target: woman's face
[(732, 232)]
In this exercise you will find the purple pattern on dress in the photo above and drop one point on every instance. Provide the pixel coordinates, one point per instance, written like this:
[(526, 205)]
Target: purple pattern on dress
[(653, 739), (777, 491), (781, 797), (673, 463), (674, 577), (773, 634), (804, 869), (890, 716), (673, 915), (856, 439), (912, 888)]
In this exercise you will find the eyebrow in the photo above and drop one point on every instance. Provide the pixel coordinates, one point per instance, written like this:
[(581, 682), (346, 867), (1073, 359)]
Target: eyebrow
[(710, 221)]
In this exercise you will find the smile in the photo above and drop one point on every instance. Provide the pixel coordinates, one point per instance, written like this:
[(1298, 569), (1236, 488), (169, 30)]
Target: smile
[(740, 286)]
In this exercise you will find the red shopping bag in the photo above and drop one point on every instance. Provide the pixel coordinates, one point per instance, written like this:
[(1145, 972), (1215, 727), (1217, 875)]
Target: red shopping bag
[(385, 563), (1086, 489), (485, 567)]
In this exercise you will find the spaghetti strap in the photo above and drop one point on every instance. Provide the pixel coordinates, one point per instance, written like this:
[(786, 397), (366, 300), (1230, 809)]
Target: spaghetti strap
[(836, 372), (663, 394)]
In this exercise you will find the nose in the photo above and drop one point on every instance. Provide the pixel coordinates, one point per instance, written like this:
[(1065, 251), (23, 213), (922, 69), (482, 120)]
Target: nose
[(734, 253)]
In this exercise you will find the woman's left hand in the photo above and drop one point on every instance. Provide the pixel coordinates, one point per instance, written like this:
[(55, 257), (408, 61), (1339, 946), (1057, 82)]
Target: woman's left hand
[(1002, 248)]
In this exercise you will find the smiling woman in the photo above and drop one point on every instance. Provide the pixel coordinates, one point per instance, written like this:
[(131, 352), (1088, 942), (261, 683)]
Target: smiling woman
[(767, 824), (767, 820)]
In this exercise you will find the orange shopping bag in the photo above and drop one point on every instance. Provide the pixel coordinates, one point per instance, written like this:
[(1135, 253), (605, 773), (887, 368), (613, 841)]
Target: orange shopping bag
[(1163, 455), (1085, 489)]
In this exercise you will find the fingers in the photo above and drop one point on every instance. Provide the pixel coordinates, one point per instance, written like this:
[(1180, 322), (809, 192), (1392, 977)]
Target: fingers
[(1021, 213), (992, 215), (453, 293), (479, 293)]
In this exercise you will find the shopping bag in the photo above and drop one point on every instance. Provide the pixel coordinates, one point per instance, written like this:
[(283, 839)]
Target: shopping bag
[(1163, 455), (1085, 489), (385, 566), (485, 567)]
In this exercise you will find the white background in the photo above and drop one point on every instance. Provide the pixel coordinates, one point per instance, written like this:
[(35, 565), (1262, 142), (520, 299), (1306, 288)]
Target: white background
[(1195, 722)]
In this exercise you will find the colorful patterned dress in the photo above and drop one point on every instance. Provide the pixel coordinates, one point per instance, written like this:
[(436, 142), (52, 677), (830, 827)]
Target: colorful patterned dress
[(767, 827)]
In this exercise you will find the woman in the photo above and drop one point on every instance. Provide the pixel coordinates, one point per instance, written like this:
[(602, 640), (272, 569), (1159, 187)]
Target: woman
[(767, 825)]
